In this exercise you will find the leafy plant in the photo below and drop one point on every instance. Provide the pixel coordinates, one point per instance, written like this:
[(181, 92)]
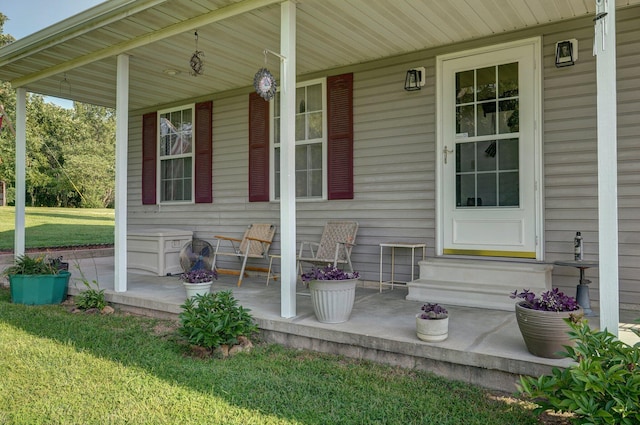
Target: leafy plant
[(37, 265), (328, 273), (211, 320), (433, 312), (553, 300), (602, 388), (199, 276), (91, 297)]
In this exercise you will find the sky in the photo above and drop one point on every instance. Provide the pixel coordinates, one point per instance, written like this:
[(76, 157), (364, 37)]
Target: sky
[(26, 17)]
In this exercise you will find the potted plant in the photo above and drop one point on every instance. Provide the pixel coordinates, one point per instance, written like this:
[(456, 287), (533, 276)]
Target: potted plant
[(198, 281), (36, 280), (432, 324), (332, 293), (541, 321)]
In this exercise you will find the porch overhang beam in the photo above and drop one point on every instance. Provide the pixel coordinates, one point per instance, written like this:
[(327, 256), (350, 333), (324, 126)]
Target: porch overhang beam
[(126, 46)]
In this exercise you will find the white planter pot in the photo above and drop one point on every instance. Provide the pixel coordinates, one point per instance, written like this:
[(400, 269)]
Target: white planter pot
[(332, 300), (432, 330), (194, 289)]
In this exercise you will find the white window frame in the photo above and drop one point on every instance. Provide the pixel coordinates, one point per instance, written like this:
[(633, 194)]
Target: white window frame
[(322, 141), (161, 158)]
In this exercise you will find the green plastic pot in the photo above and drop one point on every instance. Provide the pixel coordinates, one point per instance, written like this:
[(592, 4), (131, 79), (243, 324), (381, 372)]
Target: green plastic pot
[(39, 289)]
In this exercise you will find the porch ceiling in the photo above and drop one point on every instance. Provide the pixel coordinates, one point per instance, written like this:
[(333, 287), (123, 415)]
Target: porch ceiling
[(159, 36)]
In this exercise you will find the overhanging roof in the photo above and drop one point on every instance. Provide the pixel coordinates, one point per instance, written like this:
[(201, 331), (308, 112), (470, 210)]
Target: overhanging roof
[(159, 36)]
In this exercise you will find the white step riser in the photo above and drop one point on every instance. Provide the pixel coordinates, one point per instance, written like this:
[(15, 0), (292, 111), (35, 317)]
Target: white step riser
[(477, 283)]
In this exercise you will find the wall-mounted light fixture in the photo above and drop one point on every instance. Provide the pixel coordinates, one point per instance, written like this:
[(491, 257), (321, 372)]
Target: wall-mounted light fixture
[(415, 79), (566, 52)]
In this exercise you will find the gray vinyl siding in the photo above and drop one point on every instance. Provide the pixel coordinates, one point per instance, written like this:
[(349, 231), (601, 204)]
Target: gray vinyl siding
[(394, 160)]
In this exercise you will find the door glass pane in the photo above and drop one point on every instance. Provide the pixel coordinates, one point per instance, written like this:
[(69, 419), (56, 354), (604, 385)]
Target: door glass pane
[(486, 190), (509, 154), (510, 189), (465, 190), (486, 156), (486, 83), (486, 118), (465, 87), (465, 120), (508, 80), (508, 119), (465, 157)]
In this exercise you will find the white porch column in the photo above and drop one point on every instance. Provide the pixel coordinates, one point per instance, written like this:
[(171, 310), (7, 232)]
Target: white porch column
[(122, 124), (21, 161), (605, 49), (287, 159)]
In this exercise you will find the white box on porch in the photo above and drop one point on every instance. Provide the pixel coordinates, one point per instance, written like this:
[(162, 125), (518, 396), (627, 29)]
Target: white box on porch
[(156, 251)]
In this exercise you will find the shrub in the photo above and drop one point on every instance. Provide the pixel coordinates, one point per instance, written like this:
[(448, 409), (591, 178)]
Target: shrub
[(214, 319), (91, 297), (602, 388)]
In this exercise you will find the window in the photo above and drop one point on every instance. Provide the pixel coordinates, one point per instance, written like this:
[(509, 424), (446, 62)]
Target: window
[(176, 155), (336, 136), (487, 154), (311, 140)]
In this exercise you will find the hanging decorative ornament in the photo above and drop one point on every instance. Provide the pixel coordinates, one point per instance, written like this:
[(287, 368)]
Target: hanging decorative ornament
[(264, 82), (65, 87), (196, 62)]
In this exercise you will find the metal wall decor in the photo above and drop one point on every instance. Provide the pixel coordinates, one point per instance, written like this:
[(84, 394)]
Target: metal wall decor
[(196, 62), (264, 82)]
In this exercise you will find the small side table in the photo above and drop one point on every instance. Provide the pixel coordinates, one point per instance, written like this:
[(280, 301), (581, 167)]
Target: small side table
[(393, 246), (582, 290)]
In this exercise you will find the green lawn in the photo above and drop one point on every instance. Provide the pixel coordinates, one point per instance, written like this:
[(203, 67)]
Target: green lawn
[(52, 227), (63, 368)]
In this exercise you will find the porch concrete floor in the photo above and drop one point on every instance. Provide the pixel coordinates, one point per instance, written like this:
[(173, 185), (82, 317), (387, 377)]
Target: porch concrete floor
[(484, 347)]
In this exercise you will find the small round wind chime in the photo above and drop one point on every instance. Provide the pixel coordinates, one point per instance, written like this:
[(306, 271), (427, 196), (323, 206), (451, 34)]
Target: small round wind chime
[(264, 82), (196, 62)]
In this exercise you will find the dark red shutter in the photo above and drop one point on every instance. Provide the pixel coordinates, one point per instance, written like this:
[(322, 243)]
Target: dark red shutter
[(149, 156), (340, 136), (203, 139), (258, 149)]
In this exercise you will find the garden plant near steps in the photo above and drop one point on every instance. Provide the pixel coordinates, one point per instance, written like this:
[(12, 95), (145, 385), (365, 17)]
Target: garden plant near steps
[(602, 388), (211, 320)]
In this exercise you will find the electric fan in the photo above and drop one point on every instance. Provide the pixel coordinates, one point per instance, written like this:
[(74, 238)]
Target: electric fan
[(197, 254)]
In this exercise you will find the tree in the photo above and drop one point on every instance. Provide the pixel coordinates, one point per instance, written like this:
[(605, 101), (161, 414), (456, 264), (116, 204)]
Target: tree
[(70, 153)]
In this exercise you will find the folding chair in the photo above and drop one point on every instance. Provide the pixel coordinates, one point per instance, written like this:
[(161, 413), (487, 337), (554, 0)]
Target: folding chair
[(336, 242), (254, 244)]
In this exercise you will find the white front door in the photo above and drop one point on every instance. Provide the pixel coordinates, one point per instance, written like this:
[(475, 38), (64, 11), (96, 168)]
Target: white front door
[(489, 158)]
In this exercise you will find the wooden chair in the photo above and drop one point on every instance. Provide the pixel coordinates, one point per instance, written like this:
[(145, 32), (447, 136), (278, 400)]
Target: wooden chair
[(255, 243), (336, 242)]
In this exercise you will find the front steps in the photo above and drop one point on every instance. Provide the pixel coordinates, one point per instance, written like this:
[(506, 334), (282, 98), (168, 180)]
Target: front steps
[(477, 282)]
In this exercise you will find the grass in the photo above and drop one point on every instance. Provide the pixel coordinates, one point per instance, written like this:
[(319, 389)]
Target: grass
[(63, 368), (54, 227)]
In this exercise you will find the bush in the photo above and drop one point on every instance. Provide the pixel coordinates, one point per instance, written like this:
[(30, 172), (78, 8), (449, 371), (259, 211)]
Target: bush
[(602, 388), (91, 297), (214, 319)]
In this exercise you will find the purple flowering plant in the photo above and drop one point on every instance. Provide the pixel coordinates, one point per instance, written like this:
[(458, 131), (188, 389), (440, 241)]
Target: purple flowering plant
[(199, 276), (433, 312), (552, 300), (328, 273)]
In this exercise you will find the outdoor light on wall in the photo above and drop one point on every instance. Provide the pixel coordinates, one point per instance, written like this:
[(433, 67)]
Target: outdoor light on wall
[(415, 79), (566, 53)]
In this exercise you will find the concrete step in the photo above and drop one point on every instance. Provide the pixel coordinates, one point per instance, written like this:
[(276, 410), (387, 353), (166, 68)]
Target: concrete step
[(477, 283)]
